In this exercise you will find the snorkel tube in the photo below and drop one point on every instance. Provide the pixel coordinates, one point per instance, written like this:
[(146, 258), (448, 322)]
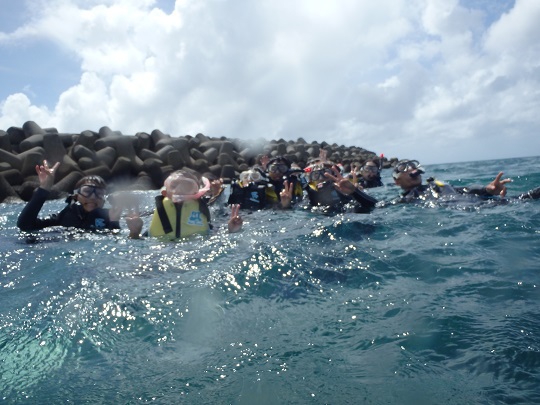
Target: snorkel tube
[(416, 173)]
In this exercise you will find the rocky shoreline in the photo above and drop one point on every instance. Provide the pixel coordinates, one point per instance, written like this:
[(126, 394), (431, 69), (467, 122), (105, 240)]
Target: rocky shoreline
[(141, 161)]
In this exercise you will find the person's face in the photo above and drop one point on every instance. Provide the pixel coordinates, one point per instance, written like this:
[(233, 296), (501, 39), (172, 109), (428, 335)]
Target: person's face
[(370, 171), (178, 187), (316, 175), (277, 170), (90, 197), (409, 179)]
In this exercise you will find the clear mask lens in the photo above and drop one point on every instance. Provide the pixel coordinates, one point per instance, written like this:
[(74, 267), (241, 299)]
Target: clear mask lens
[(278, 168), (87, 191), (372, 169), (407, 166)]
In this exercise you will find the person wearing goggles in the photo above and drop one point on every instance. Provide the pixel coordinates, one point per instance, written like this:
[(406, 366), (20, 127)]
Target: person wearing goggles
[(182, 208), (329, 191), (407, 175), (315, 173), (249, 190), (369, 175), (84, 210), (250, 176), (284, 186), (278, 169)]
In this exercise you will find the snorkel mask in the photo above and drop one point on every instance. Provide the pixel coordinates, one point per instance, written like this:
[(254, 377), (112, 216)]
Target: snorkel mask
[(182, 186), (250, 176), (315, 173), (89, 187), (406, 166), (87, 190)]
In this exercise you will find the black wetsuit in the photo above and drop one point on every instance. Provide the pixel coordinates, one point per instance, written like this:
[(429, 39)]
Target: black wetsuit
[(531, 194), (251, 197), (434, 190), (327, 196), (370, 183), (72, 216)]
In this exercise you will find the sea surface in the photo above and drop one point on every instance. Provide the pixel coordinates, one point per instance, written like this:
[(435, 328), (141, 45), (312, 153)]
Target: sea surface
[(433, 303)]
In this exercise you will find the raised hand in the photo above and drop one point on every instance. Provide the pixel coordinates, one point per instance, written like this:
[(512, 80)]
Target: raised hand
[(235, 221), (286, 194), (46, 174), (354, 178), (497, 186), (264, 161), (341, 184), (134, 222), (216, 187)]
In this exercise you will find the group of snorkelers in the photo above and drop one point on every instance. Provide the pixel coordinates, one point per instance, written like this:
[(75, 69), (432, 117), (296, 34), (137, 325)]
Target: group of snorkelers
[(182, 207)]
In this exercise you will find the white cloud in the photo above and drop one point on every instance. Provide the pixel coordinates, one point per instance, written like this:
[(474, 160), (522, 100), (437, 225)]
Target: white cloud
[(17, 108), (400, 77)]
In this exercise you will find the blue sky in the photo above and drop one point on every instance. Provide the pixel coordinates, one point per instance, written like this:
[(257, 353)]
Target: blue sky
[(439, 81)]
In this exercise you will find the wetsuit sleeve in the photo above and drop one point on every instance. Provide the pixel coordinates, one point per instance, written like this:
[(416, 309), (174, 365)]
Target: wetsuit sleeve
[(366, 201), (235, 196), (28, 218), (478, 191), (113, 224)]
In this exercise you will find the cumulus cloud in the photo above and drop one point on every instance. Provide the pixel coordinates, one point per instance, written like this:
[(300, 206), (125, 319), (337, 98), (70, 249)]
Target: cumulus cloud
[(407, 78)]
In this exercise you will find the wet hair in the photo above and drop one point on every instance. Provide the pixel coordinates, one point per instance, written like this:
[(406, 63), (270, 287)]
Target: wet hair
[(210, 176), (93, 180), (280, 159), (374, 161)]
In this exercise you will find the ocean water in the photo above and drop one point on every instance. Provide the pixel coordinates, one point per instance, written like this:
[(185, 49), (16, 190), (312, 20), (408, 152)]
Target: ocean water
[(411, 304)]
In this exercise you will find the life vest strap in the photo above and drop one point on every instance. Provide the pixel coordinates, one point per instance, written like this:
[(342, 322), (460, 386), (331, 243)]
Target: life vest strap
[(178, 207), (165, 223)]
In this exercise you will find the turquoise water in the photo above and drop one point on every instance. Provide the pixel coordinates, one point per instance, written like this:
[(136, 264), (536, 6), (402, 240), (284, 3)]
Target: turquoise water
[(412, 304)]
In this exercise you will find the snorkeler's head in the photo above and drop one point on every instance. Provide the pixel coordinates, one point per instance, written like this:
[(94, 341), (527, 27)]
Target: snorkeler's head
[(408, 174), (183, 185), (369, 171), (90, 192), (412, 167), (277, 167), (315, 173), (252, 175)]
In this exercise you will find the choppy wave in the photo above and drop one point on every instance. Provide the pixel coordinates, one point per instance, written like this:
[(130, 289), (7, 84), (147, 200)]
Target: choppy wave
[(412, 304)]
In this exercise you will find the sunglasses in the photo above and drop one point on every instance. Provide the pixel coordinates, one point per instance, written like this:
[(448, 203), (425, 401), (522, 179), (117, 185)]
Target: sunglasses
[(87, 191)]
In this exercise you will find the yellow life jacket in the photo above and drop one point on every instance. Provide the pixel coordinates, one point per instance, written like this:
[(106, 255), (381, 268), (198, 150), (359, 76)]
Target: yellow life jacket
[(191, 220), (272, 196)]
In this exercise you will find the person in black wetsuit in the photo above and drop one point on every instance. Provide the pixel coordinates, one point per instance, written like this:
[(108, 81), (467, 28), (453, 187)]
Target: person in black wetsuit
[(408, 175), (249, 190), (284, 187), (369, 175), (84, 210), (328, 190)]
